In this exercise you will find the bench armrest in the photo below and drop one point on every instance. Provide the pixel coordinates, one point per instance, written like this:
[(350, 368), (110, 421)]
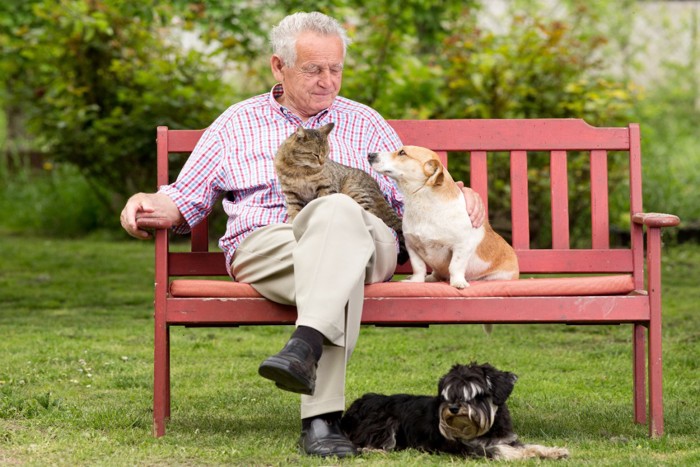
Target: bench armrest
[(656, 219), (153, 223)]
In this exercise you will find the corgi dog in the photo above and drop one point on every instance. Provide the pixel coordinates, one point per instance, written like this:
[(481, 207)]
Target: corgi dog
[(436, 225)]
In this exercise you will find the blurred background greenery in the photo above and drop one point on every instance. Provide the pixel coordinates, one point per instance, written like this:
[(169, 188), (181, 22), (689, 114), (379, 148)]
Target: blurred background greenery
[(84, 83)]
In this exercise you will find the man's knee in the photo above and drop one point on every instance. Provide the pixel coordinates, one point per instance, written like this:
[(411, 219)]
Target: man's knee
[(334, 202), (332, 210)]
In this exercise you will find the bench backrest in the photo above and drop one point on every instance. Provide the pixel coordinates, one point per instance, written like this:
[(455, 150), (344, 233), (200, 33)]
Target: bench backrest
[(516, 139)]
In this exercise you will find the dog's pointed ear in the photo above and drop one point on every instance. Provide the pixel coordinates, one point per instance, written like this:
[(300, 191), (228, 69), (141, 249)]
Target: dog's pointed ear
[(326, 129), (501, 383), (433, 169)]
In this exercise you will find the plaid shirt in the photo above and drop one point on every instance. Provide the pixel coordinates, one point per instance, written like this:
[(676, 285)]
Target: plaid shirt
[(236, 153)]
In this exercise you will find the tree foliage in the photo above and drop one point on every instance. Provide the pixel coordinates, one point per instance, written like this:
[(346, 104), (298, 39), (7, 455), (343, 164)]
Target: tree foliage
[(93, 78)]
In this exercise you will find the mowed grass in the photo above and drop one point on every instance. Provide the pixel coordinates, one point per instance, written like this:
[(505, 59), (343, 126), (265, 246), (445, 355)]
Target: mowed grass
[(76, 372)]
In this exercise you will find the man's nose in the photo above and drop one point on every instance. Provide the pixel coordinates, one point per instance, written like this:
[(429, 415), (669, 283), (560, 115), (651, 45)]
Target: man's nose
[(325, 77)]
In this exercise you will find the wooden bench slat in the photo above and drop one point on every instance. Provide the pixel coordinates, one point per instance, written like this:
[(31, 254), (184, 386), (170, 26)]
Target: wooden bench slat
[(519, 200), (412, 311), (537, 261), (600, 219), (478, 177), (510, 134), (559, 190)]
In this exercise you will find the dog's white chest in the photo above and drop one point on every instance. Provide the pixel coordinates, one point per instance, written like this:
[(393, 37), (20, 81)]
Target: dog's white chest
[(436, 231)]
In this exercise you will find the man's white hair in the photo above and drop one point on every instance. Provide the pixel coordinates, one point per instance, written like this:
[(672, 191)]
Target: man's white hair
[(284, 36)]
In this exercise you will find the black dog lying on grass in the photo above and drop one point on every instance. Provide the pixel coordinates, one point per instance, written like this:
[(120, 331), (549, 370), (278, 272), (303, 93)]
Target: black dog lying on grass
[(468, 417)]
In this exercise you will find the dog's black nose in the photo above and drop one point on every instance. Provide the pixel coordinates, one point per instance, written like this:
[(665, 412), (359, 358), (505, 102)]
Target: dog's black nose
[(454, 409), (372, 156)]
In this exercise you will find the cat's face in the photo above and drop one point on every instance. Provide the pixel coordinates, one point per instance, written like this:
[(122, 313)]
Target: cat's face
[(309, 147)]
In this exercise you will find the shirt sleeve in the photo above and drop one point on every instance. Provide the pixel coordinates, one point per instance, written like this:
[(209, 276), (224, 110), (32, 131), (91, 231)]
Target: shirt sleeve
[(198, 187)]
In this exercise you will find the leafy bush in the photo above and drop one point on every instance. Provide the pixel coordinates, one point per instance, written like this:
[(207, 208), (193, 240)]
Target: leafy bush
[(538, 68), (92, 79), (58, 201), (104, 74), (669, 137)]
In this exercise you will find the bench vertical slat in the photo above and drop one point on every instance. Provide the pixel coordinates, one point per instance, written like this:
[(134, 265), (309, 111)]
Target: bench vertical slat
[(600, 228), (200, 236), (443, 157), (559, 186), (519, 200), (636, 232), (478, 177)]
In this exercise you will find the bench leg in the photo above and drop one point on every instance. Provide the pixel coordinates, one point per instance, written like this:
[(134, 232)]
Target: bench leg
[(639, 373), (161, 378), (656, 408)]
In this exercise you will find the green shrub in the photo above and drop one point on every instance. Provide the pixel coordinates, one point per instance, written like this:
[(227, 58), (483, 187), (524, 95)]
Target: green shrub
[(669, 118), (94, 78), (539, 68), (56, 201)]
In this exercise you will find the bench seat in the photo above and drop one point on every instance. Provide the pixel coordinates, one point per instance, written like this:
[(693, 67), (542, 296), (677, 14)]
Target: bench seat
[(620, 284)]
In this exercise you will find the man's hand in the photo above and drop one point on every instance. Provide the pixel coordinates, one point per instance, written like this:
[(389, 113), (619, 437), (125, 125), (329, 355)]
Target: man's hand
[(475, 206), (149, 210)]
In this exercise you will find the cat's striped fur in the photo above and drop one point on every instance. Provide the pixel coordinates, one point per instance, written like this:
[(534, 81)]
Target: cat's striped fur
[(305, 173)]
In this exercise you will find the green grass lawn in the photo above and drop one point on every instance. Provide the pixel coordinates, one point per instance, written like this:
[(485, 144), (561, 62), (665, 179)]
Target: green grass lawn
[(76, 372)]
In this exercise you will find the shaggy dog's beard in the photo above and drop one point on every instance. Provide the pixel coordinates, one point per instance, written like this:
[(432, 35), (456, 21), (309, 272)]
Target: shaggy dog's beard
[(469, 417), (468, 422)]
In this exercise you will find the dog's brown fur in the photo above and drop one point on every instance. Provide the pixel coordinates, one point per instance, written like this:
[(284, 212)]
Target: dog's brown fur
[(436, 224)]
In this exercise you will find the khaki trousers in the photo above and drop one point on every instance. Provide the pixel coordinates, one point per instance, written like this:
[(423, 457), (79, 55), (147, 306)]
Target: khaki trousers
[(320, 263)]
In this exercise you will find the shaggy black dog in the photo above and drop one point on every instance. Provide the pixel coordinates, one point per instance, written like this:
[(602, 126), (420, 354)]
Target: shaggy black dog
[(469, 417)]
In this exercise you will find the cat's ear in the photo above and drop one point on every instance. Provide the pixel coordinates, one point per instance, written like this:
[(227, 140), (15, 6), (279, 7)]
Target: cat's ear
[(325, 129), (300, 132)]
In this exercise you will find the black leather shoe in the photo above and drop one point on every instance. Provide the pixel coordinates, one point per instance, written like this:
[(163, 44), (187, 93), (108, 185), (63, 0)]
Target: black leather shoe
[(325, 438), (293, 368)]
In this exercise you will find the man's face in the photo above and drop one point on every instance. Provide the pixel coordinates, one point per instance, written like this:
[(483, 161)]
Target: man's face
[(313, 82)]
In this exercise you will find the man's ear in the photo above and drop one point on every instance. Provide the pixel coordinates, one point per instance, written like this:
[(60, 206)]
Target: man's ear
[(433, 170), (276, 65)]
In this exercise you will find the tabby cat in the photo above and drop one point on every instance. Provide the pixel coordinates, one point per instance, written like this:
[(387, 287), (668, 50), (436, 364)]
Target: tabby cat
[(306, 173)]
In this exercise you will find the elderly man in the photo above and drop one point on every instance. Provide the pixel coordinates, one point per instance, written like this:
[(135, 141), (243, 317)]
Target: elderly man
[(322, 260)]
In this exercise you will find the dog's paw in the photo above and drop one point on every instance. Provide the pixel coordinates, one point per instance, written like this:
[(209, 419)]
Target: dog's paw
[(529, 451), (458, 282), (432, 277), (414, 278)]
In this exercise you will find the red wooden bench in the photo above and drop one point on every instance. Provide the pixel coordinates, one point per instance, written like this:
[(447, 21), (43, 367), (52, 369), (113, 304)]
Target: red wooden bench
[(601, 285)]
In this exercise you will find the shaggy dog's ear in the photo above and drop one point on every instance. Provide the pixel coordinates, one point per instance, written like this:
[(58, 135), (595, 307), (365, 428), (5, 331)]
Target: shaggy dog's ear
[(433, 170), (501, 382)]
